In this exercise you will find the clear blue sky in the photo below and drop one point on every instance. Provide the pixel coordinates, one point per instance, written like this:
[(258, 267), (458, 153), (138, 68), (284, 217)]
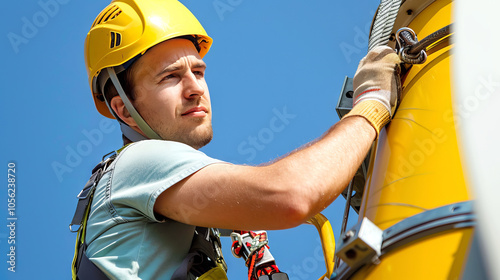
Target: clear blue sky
[(268, 58)]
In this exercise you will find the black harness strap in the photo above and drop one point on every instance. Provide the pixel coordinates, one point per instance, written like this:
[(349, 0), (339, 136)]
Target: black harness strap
[(204, 254), (87, 269), (181, 273), (83, 267), (84, 197)]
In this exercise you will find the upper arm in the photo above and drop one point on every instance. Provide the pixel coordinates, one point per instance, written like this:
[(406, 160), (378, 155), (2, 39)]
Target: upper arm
[(233, 197)]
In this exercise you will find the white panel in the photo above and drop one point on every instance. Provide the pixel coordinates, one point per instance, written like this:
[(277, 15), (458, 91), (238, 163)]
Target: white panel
[(477, 110)]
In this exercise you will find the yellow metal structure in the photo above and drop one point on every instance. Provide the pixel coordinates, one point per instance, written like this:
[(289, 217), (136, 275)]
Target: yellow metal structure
[(415, 165), (327, 242)]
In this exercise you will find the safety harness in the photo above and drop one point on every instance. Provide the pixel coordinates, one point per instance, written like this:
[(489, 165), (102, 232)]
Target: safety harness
[(204, 260)]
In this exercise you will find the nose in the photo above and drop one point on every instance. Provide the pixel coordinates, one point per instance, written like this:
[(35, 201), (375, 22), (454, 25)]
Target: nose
[(193, 86)]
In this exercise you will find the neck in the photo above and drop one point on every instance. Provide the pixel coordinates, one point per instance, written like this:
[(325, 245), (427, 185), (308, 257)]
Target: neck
[(126, 140)]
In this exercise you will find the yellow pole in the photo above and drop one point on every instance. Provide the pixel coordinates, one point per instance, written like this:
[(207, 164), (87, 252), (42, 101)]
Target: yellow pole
[(416, 165)]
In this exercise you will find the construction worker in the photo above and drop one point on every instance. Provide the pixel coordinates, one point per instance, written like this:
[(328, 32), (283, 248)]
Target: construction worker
[(145, 67)]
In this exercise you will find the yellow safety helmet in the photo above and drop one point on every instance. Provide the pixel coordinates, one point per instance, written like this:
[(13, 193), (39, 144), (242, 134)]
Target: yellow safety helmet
[(128, 28)]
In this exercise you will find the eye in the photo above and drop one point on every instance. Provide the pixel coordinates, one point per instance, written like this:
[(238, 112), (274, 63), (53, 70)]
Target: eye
[(199, 73), (168, 77)]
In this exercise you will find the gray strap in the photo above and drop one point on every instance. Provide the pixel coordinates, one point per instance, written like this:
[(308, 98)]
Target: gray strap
[(135, 115), (84, 199), (225, 232), (182, 272), (131, 134), (275, 276)]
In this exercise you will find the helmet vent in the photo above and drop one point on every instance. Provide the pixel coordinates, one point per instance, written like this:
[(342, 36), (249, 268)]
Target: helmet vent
[(116, 39), (107, 14)]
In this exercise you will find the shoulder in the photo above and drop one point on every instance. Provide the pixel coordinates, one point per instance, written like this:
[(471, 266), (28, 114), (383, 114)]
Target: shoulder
[(151, 150), (156, 157), (157, 146), (143, 170)]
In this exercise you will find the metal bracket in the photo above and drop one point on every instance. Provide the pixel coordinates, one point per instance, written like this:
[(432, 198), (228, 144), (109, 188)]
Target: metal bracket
[(453, 216), (361, 244), (344, 104)]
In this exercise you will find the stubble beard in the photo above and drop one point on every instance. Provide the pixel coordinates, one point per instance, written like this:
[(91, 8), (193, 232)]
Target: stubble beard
[(196, 137), (194, 132)]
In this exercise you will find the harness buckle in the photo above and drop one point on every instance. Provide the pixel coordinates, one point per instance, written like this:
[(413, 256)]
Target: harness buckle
[(74, 230), (258, 242)]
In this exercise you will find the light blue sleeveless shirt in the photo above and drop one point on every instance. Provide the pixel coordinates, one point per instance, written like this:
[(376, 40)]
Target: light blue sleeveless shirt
[(125, 239)]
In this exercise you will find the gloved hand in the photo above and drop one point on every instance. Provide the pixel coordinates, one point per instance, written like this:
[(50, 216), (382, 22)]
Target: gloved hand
[(377, 87)]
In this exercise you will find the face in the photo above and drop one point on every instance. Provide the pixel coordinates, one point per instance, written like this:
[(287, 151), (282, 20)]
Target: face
[(171, 93)]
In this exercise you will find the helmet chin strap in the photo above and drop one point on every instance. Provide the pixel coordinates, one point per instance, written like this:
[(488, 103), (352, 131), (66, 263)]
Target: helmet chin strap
[(128, 131), (131, 134)]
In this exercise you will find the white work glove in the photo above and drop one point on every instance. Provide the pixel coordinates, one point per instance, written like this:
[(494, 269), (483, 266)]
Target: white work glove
[(377, 87)]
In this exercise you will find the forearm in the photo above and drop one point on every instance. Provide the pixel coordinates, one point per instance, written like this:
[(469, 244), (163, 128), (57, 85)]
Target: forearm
[(320, 171)]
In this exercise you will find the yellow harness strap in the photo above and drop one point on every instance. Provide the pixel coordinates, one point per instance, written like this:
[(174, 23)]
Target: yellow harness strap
[(216, 273)]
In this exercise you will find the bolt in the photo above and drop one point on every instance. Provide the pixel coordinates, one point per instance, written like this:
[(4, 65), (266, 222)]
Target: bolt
[(348, 235)]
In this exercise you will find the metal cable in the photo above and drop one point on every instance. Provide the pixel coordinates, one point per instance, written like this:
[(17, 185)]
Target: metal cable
[(346, 214), (429, 40), (384, 22)]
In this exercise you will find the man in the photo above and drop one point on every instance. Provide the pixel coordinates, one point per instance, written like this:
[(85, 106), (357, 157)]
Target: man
[(145, 67)]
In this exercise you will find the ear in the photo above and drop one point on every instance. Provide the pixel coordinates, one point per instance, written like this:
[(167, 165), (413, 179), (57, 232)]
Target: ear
[(119, 107)]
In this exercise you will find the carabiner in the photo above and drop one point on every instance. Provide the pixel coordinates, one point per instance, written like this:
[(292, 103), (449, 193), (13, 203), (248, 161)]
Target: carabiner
[(405, 39)]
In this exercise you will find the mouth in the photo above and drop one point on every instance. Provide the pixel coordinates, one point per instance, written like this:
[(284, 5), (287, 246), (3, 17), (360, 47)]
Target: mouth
[(198, 111)]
